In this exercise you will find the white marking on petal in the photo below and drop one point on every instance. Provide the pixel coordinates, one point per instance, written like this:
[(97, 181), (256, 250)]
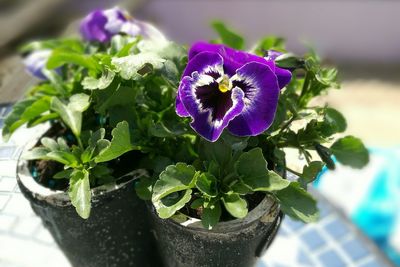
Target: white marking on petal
[(250, 95)]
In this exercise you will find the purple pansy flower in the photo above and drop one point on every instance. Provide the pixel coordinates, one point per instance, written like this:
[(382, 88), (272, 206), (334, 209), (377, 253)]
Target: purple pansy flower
[(102, 25), (222, 87), (36, 61)]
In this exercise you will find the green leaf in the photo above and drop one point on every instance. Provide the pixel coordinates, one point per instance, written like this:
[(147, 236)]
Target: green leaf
[(129, 66), (235, 205), (71, 114), (103, 82), (269, 43), (43, 118), (207, 183), (289, 61), (79, 102), (62, 144), (96, 144), (235, 142), (70, 44), (64, 174), (350, 151), (79, 193), (311, 171), (62, 57), (23, 112), (228, 37), (100, 170), (297, 203), (218, 151), (197, 203), (335, 119), (122, 98), (160, 130), (175, 178), (211, 215), (120, 143), (50, 143), (169, 205), (252, 170), (66, 158), (36, 153), (143, 188)]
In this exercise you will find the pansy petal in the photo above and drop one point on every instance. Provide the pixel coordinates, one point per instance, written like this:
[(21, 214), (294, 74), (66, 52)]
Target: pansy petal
[(149, 31), (284, 76), (209, 120), (115, 20), (201, 63), (92, 27), (273, 54), (233, 59), (36, 61), (180, 108), (261, 90)]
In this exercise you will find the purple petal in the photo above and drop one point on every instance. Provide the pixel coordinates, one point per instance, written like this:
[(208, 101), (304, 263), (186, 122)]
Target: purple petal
[(115, 20), (261, 89), (149, 31), (36, 61), (233, 59), (284, 76), (93, 27), (179, 107), (205, 62), (210, 109), (273, 54)]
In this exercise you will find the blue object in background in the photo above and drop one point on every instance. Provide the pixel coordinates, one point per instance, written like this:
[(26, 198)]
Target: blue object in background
[(378, 213)]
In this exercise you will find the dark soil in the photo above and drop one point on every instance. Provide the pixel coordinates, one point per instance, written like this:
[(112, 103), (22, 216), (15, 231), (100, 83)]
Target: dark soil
[(44, 170)]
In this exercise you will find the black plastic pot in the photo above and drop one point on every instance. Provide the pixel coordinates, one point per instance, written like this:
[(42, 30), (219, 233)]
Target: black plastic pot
[(117, 232), (235, 243)]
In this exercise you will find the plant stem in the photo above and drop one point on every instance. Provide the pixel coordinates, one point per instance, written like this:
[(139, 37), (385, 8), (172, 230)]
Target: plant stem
[(79, 141), (303, 151), (305, 85), (287, 124), (228, 177), (293, 171)]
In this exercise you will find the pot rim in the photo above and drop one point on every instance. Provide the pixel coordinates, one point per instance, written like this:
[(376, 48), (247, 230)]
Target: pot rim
[(60, 197), (267, 212)]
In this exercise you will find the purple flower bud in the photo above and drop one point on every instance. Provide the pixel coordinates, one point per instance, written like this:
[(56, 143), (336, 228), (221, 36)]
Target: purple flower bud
[(36, 61), (102, 25), (273, 54)]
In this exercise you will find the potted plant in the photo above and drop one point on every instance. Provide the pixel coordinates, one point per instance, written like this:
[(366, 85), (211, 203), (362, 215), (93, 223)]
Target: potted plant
[(80, 176), (200, 134), (223, 205)]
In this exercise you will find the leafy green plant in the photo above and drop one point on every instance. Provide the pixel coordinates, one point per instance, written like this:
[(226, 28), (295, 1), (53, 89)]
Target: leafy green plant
[(118, 95), (217, 184), (109, 100)]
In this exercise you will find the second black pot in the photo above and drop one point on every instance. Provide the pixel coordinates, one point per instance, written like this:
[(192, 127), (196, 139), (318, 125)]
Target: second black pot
[(233, 243)]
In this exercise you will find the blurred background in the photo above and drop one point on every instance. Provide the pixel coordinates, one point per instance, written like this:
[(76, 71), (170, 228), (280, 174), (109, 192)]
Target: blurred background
[(361, 37)]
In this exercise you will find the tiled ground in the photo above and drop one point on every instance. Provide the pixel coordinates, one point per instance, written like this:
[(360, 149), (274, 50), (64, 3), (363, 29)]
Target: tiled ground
[(24, 242)]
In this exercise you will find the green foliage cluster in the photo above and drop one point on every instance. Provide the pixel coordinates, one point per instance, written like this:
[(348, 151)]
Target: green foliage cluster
[(119, 97)]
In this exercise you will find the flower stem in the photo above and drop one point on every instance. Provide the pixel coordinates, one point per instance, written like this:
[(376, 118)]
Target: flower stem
[(293, 171)]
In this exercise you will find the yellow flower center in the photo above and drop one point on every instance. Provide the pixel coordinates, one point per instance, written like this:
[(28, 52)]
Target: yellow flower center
[(224, 84)]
